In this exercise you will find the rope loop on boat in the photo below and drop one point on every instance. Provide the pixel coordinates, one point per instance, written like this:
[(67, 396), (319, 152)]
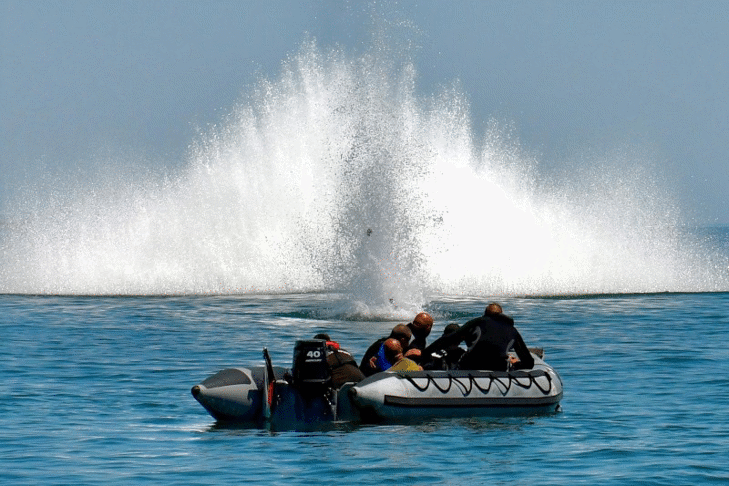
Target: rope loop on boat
[(472, 382)]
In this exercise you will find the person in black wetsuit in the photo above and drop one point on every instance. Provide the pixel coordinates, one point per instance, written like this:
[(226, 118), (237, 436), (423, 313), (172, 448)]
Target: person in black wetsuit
[(420, 327), (374, 359), (490, 338), (342, 365), (446, 358)]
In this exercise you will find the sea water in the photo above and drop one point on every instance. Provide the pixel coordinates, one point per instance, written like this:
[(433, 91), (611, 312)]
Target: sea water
[(97, 391), (337, 198)]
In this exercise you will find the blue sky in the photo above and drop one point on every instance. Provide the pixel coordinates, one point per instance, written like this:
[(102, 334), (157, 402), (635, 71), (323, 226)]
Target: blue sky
[(80, 79)]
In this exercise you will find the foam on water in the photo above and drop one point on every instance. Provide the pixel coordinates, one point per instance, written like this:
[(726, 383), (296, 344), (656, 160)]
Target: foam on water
[(340, 176)]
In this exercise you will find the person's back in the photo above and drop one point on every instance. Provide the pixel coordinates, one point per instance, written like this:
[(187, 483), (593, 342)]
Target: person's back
[(490, 338), (344, 368), (405, 364), (341, 363), (495, 337)]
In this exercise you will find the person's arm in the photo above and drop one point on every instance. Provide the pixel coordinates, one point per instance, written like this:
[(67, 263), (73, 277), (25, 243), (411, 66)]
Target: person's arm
[(366, 364), (452, 339), (526, 361)]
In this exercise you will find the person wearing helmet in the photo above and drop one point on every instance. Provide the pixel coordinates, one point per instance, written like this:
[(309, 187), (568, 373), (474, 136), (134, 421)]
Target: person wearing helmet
[(420, 327), (374, 359), (393, 353)]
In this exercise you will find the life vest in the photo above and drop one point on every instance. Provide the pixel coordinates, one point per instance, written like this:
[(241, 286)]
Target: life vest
[(342, 365)]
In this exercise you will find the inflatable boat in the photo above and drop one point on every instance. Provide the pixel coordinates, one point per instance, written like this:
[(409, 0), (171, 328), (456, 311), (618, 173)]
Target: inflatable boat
[(301, 395)]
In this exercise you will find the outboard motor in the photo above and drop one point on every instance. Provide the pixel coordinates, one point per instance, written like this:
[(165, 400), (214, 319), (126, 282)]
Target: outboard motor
[(312, 376)]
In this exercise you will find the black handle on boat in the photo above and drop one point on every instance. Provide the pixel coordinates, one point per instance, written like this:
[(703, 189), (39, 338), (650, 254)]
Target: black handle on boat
[(270, 385), (269, 365)]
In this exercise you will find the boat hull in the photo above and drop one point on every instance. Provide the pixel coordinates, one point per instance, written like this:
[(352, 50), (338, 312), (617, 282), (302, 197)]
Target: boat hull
[(238, 395), (458, 393)]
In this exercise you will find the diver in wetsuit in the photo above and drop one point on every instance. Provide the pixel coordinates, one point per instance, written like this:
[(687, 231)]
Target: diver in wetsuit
[(342, 365), (374, 359), (446, 358), (420, 327), (490, 338)]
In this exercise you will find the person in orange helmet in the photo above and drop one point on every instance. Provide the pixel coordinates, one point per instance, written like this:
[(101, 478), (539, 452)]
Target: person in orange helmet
[(420, 327), (393, 354)]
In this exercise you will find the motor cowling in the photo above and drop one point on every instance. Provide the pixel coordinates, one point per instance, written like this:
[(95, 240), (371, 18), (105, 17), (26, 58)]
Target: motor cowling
[(311, 373)]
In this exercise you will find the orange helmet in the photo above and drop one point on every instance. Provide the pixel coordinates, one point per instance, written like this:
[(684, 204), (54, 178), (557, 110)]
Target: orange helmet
[(423, 323)]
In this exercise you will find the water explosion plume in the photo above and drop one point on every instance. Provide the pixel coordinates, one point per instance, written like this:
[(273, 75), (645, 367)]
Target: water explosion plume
[(339, 176)]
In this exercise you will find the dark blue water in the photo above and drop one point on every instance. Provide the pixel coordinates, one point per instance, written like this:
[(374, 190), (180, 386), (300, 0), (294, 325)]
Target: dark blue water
[(97, 391)]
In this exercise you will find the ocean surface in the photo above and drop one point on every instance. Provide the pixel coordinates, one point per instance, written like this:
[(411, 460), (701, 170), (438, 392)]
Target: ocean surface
[(97, 391)]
